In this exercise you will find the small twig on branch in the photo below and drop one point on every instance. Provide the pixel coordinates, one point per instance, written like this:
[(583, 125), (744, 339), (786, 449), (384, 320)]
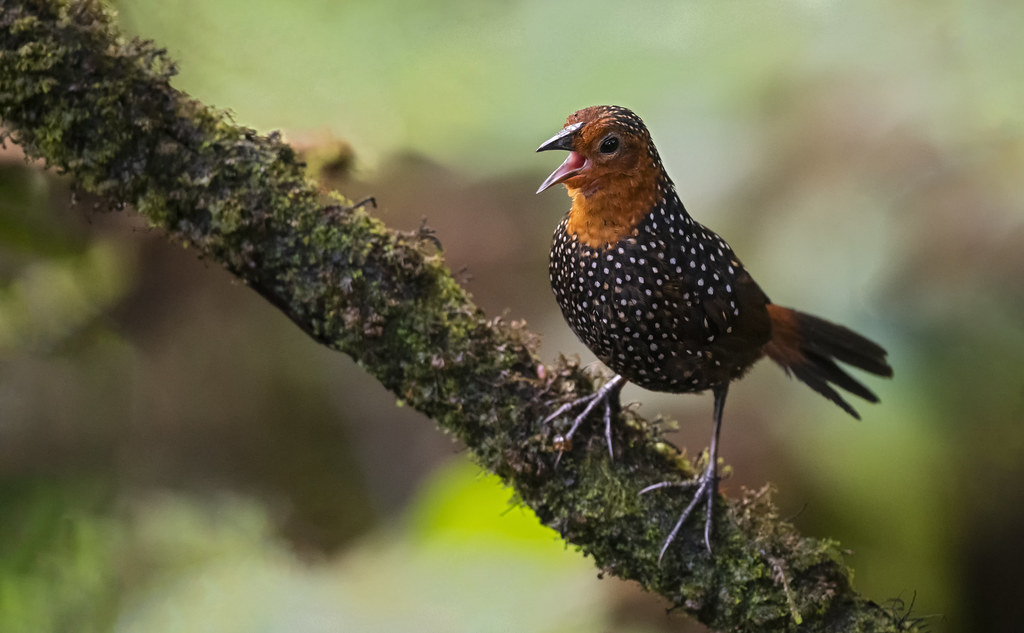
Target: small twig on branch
[(100, 108)]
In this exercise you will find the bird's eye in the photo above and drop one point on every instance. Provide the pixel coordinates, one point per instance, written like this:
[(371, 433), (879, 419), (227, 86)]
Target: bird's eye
[(609, 145)]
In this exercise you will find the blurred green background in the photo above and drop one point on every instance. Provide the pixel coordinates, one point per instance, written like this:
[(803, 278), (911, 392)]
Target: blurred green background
[(176, 456)]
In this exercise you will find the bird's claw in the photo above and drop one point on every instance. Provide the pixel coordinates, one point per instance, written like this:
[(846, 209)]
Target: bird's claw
[(707, 489), (606, 394)]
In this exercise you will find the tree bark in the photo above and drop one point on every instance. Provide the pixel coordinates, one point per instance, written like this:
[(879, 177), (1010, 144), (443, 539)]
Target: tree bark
[(100, 108)]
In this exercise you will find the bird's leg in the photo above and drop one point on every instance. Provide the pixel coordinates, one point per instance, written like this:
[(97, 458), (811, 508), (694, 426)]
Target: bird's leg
[(706, 482), (608, 394), (713, 462)]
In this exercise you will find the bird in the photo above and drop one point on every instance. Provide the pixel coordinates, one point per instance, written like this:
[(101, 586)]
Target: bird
[(663, 301)]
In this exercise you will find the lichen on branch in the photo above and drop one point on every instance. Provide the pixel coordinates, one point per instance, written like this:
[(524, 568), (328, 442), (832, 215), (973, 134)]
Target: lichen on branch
[(100, 108)]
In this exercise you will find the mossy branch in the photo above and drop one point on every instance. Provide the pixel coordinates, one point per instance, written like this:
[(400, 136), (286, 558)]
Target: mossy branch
[(100, 108)]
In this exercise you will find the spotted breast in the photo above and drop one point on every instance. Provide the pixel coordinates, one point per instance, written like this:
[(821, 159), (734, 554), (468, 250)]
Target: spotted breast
[(668, 305)]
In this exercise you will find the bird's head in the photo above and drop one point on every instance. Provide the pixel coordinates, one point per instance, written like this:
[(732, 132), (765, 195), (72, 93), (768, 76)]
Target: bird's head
[(613, 172), (606, 145)]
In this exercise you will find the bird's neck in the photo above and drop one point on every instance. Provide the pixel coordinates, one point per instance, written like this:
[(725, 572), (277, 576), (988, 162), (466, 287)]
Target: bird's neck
[(602, 214)]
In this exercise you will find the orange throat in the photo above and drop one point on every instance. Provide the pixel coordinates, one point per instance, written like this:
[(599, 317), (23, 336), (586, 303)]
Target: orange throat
[(609, 215)]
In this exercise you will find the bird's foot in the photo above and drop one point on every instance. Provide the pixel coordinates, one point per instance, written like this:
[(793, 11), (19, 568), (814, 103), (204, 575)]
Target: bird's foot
[(707, 488), (607, 395)]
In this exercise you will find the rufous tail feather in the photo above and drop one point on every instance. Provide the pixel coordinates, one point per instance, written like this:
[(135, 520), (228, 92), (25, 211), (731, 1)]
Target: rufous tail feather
[(808, 347)]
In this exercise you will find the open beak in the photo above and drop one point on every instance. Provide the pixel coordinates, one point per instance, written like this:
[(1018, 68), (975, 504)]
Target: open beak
[(572, 165)]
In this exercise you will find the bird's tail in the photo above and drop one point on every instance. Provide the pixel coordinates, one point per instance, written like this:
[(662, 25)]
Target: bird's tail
[(808, 348)]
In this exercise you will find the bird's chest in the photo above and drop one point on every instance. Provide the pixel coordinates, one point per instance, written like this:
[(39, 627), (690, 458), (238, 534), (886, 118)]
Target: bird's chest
[(648, 307), (607, 296)]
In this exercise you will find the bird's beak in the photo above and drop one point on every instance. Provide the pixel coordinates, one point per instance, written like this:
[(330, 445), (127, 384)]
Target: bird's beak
[(572, 165)]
